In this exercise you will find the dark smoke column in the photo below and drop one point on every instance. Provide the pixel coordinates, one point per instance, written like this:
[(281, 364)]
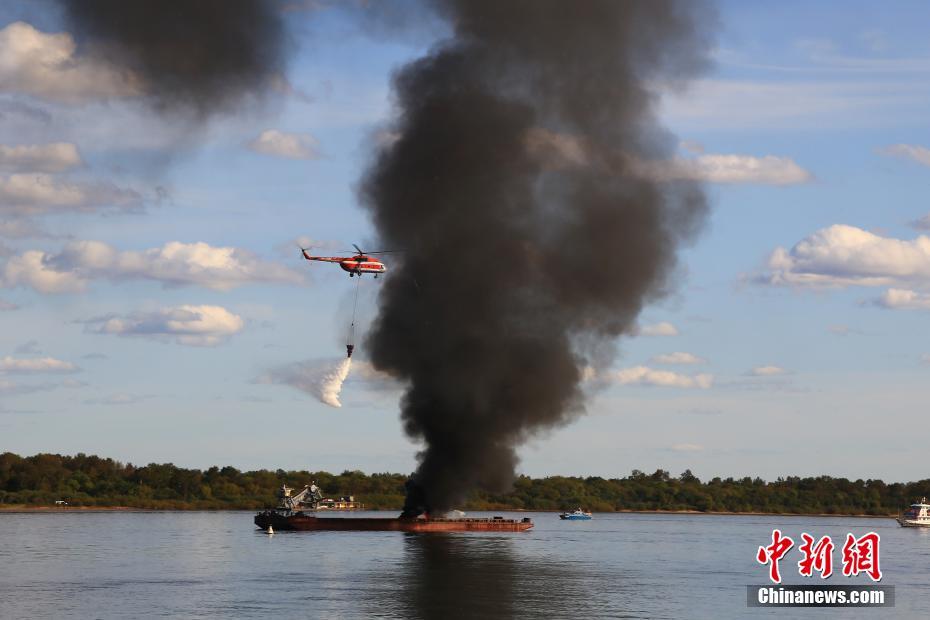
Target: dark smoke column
[(532, 237), (200, 56)]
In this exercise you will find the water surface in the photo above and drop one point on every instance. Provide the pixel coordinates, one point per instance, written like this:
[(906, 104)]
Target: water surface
[(217, 565)]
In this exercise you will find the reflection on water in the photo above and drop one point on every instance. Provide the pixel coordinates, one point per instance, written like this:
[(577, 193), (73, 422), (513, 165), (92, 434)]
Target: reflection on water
[(449, 575), (484, 576)]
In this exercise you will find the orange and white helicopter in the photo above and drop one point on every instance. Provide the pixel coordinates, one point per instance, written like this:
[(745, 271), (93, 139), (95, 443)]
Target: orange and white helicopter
[(361, 262)]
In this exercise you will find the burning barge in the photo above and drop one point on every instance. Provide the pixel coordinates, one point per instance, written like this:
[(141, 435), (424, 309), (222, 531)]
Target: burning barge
[(280, 520), (289, 515)]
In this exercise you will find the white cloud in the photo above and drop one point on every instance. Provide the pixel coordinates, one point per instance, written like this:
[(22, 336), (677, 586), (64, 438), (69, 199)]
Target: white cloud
[(200, 326), (30, 194), (45, 65), (174, 264), (643, 375), (287, 145), (841, 255), (691, 146), (687, 447), (767, 371), (560, 150), (917, 153), (30, 269), (902, 299), (554, 149), (54, 157), (678, 357), (728, 169), (13, 365), (658, 329), (778, 103)]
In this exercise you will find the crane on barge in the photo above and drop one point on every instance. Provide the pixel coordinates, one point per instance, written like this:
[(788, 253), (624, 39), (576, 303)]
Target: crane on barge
[(308, 498)]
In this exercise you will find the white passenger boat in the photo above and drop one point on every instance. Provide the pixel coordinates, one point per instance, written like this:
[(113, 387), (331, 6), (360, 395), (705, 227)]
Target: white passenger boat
[(918, 515)]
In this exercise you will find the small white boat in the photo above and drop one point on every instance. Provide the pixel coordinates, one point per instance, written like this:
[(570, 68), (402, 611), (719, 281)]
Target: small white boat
[(577, 515), (918, 515)]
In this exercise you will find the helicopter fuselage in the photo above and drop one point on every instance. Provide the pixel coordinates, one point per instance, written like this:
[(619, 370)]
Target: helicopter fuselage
[(354, 265)]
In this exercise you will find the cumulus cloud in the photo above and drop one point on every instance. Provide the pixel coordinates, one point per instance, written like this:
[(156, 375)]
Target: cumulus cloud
[(174, 264), (767, 371), (45, 65), (842, 255), (198, 326), (728, 169), (13, 365), (561, 150), (657, 329), (31, 194), (687, 447), (643, 375), (678, 357), (30, 270), (691, 146), (554, 149), (914, 152), (54, 157), (902, 299), (287, 145)]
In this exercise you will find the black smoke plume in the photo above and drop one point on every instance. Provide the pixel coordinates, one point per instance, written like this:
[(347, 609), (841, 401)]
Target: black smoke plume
[(200, 56), (515, 184)]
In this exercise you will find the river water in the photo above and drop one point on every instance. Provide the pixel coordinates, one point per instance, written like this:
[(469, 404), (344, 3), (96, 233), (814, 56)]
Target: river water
[(217, 565)]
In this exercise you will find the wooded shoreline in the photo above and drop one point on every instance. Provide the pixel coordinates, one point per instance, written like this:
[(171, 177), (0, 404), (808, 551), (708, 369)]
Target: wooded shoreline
[(12, 509), (35, 483)]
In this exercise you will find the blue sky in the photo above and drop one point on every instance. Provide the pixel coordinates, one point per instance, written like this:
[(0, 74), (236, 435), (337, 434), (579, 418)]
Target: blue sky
[(795, 342)]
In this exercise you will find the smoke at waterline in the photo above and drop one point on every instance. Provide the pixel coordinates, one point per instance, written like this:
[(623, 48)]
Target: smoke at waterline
[(530, 240)]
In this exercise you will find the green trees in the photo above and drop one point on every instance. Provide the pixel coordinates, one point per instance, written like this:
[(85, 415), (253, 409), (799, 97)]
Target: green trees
[(84, 480)]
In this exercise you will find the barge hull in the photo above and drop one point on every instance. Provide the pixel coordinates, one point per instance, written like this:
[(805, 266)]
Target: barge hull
[(304, 522)]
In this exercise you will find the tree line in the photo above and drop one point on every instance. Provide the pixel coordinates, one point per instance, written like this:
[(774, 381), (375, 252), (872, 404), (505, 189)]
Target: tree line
[(83, 480)]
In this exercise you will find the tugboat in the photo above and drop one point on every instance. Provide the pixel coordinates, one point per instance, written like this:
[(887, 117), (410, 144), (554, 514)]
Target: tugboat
[(918, 515), (297, 512), (576, 515)]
